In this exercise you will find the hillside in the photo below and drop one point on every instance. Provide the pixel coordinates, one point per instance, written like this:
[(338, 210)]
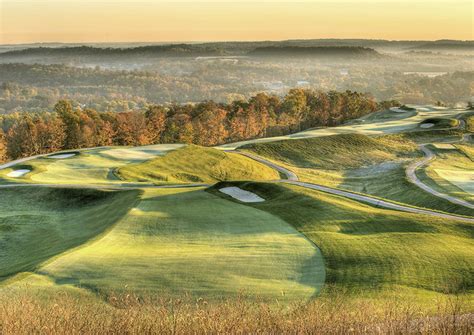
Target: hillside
[(294, 51), (194, 164)]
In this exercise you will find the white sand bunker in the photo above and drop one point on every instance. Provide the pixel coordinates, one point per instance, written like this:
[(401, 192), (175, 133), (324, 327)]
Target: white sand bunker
[(426, 125), (18, 173), (240, 194), (444, 146), (397, 110), (61, 156)]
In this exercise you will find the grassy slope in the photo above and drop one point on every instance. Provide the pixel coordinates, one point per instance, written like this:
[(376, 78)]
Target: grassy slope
[(373, 251), (458, 164), (335, 152), (441, 122), (93, 166), (176, 241), (194, 164), (359, 163), (39, 223)]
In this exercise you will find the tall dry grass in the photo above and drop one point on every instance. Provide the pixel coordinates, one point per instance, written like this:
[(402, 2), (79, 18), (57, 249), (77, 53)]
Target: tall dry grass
[(129, 314)]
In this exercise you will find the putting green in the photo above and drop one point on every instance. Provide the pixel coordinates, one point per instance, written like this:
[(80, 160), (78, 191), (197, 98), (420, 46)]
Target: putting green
[(93, 166), (188, 240)]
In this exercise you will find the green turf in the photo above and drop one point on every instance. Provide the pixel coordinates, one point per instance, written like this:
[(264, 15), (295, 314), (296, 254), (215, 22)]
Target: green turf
[(39, 223), (440, 122), (194, 164), (451, 172), (335, 152), (186, 240), (376, 124), (469, 121), (375, 166), (369, 250), (91, 166)]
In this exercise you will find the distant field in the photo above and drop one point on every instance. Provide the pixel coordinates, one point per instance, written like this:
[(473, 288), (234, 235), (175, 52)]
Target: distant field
[(376, 252), (194, 164)]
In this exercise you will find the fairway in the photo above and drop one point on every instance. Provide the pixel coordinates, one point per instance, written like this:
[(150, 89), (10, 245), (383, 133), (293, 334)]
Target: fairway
[(451, 171), (37, 224), (90, 166), (187, 240), (374, 252), (250, 233), (355, 162), (460, 178), (380, 123)]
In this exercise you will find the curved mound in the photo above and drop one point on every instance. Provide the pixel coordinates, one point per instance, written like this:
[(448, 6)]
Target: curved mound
[(334, 152), (438, 122), (39, 223), (179, 241), (194, 164)]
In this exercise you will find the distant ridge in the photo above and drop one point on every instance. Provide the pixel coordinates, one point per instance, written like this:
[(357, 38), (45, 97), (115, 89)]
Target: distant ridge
[(170, 50), (446, 44), (292, 51)]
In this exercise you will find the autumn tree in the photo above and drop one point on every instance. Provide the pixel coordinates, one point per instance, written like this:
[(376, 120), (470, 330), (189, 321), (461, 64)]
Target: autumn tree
[(50, 134), (155, 123), (3, 146), (71, 122), (22, 138)]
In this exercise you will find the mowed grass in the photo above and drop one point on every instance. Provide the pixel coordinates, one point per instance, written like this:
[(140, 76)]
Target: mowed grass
[(195, 164), (451, 172), (376, 124), (335, 152), (370, 165), (187, 241), (440, 123), (92, 166), (37, 224), (371, 252)]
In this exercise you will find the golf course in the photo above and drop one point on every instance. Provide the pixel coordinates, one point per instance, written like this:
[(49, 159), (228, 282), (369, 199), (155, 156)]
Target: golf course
[(381, 208)]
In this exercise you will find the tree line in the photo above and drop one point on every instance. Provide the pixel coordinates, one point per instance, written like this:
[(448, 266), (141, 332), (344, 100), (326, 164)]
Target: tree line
[(207, 123)]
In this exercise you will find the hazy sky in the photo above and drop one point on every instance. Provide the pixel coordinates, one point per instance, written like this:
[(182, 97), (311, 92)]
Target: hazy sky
[(23, 21)]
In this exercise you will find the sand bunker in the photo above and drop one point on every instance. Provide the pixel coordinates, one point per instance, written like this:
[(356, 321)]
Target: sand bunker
[(18, 173), (61, 156), (398, 110), (426, 125), (240, 194), (444, 146)]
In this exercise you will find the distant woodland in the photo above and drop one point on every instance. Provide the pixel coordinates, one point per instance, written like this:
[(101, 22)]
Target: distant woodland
[(207, 123), (59, 96)]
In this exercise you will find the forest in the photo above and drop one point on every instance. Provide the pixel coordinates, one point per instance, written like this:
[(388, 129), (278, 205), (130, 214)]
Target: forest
[(207, 123)]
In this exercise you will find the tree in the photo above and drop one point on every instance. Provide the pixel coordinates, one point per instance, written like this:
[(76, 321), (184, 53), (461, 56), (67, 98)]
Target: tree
[(71, 121), (50, 134), (131, 129), (155, 123), (22, 138), (3, 146)]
